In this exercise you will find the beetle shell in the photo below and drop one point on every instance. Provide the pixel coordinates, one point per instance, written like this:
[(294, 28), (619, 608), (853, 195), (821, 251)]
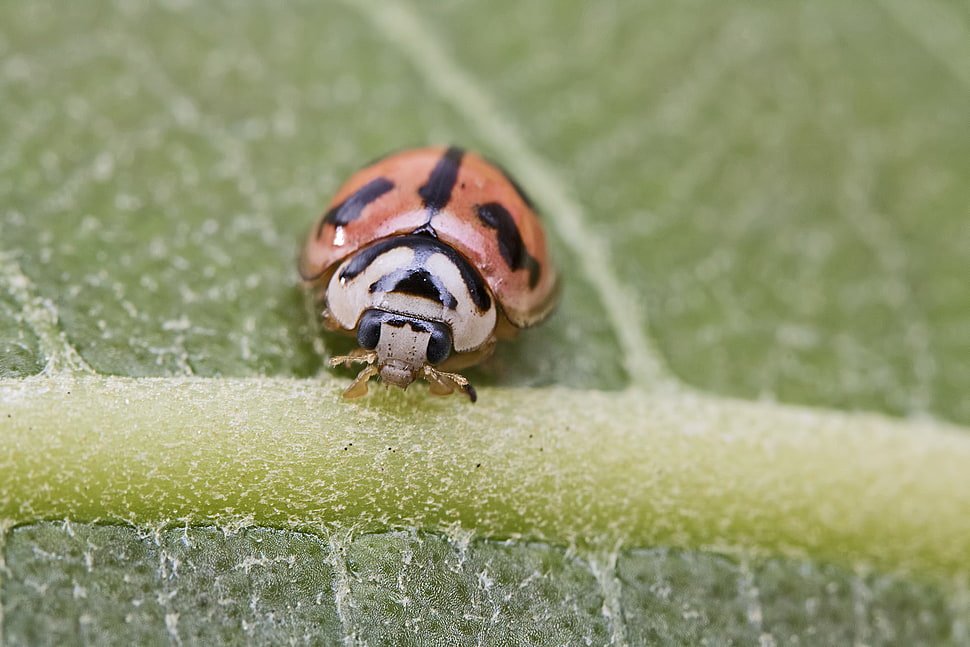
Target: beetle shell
[(434, 236)]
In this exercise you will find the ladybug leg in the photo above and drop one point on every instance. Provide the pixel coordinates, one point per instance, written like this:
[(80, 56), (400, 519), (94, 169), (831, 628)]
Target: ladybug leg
[(439, 385), (358, 387), (443, 383), (356, 356)]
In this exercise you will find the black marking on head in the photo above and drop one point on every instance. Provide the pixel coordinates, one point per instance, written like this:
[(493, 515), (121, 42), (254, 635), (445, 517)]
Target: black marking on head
[(399, 321), (394, 320), (350, 209), (417, 282), (515, 185), (495, 216), (423, 247), (436, 192)]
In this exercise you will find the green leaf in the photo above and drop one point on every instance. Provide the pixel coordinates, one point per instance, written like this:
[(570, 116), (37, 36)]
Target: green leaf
[(746, 423)]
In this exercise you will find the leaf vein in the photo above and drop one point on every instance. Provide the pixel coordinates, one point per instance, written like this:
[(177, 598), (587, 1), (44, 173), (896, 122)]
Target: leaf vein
[(42, 317), (603, 567), (342, 589)]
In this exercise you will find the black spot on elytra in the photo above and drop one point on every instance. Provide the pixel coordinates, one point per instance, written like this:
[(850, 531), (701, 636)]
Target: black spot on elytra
[(351, 208), (423, 247), (436, 192), (510, 245)]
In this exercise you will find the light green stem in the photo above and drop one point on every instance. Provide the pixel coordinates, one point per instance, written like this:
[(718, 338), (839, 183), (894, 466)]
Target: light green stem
[(584, 468)]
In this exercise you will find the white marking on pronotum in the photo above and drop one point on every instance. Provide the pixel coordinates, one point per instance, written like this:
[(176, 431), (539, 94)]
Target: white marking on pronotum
[(623, 307), (41, 316)]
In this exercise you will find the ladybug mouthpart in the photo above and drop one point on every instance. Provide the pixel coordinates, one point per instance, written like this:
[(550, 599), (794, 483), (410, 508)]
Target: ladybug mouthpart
[(398, 372)]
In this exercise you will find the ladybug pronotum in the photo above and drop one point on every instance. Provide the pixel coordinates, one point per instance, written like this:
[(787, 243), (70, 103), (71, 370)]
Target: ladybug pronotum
[(428, 257)]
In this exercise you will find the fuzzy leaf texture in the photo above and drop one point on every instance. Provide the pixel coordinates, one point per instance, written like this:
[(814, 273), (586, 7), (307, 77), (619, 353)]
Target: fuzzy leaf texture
[(746, 424)]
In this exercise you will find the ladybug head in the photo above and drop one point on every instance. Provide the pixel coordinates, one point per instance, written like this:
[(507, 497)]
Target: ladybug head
[(404, 344)]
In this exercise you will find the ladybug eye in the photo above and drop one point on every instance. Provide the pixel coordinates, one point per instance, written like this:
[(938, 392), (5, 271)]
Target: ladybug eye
[(439, 346), (369, 329)]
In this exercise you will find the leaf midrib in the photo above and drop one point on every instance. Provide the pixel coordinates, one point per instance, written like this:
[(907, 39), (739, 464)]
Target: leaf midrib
[(628, 469)]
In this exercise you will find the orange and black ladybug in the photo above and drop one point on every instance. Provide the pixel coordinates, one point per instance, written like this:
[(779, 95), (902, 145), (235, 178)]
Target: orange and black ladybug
[(428, 257)]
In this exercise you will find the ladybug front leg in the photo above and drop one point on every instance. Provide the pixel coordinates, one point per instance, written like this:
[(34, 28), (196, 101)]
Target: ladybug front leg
[(356, 356), (358, 387), (443, 383)]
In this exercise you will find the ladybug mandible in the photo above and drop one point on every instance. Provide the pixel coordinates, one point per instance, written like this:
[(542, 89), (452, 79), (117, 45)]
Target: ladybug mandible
[(428, 257)]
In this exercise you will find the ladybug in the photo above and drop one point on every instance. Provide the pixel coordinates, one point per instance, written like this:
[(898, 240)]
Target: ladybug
[(428, 257)]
